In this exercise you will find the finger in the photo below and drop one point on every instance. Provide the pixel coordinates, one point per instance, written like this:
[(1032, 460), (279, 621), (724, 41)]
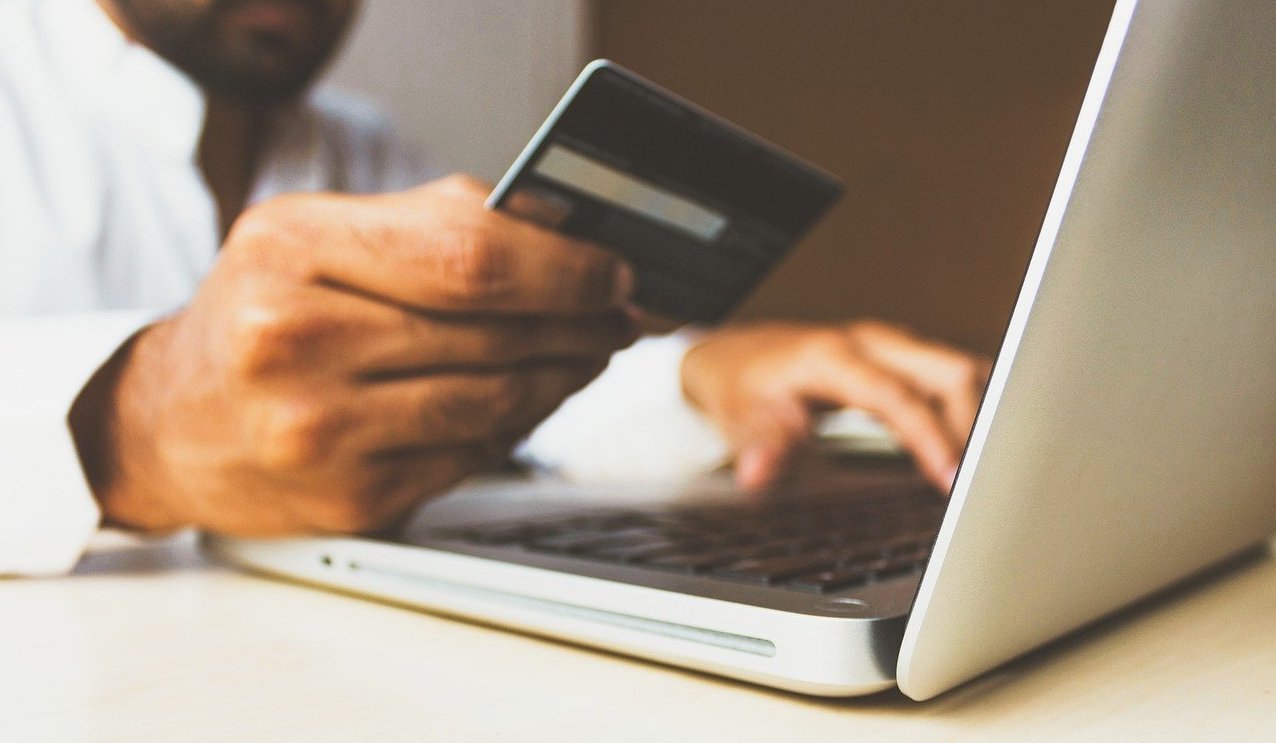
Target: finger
[(954, 378), (757, 467), (436, 249), (852, 381), (451, 408), (766, 442), (311, 326), (435, 343)]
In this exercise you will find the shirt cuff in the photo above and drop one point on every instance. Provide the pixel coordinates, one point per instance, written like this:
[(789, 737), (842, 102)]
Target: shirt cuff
[(47, 511), (632, 424)]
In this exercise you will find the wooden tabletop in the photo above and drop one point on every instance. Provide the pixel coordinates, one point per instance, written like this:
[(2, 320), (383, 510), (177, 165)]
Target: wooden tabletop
[(150, 642)]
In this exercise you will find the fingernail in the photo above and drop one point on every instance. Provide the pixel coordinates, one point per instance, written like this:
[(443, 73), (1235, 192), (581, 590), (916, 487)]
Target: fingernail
[(753, 468), (951, 477), (635, 314), (623, 288), (636, 320)]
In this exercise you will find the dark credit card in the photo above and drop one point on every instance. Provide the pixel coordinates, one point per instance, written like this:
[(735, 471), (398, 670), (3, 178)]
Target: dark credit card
[(702, 209)]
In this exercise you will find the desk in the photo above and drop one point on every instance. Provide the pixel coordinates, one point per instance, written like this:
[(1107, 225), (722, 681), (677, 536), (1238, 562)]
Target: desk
[(152, 643)]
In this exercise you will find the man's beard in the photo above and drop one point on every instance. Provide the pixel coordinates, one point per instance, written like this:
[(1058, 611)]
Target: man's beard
[(241, 61)]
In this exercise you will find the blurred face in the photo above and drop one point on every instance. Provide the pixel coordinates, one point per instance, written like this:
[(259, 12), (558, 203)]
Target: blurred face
[(253, 51)]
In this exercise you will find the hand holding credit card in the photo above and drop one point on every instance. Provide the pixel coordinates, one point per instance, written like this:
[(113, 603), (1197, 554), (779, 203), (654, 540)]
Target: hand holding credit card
[(701, 209)]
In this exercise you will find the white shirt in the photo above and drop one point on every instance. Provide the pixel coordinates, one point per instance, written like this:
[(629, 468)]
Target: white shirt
[(106, 223)]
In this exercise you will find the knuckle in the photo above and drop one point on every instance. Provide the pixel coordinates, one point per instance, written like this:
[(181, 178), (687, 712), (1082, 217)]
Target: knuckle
[(474, 268), (260, 224), (828, 340), (297, 436), (894, 396), (825, 344), (268, 338), (868, 332), (968, 374), (268, 224), (271, 237), (462, 183), (253, 353)]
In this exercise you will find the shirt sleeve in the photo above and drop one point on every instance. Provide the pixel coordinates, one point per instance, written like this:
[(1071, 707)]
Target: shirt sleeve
[(47, 512), (632, 424)]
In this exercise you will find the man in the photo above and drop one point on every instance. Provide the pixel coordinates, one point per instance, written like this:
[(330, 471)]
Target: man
[(237, 359)]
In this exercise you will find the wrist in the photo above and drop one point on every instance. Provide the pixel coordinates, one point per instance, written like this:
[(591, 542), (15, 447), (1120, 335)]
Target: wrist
[(108, 422)]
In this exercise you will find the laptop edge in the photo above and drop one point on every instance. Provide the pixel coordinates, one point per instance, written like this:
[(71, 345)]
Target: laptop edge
[(1005, 575)]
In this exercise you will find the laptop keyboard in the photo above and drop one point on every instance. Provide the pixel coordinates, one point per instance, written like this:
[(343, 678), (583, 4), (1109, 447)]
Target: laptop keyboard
[(815, 545)]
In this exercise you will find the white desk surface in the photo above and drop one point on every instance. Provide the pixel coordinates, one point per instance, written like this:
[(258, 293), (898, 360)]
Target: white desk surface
[(153, 643)]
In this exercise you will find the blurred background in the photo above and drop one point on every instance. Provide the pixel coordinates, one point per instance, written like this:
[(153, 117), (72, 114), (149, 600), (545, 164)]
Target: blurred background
[(946, 120)]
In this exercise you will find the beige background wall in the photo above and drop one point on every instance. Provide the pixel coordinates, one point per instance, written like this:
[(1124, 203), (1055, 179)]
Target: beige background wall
[(469, 80), (946, 119)]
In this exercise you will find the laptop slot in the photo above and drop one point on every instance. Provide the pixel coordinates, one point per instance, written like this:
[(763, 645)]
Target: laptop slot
[(701, 635)]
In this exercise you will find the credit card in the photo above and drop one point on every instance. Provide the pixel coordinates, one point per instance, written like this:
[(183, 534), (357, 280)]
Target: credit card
[(701, 209)]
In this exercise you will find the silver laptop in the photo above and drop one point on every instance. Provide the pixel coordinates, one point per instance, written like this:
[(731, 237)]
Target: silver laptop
[(1127, 438)]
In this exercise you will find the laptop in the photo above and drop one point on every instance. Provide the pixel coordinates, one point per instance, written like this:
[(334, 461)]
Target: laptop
[(1127, 438)]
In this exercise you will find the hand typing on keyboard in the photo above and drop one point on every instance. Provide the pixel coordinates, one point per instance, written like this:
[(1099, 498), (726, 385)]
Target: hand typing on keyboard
[(762, 384)]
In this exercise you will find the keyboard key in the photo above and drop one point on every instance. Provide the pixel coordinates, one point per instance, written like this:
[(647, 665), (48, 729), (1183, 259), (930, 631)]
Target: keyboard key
[(568, 542), (811, 544), (587, 542), (824, 581), (896, 571), (636, 552), (774, 569), (899, 564), (502, 534), (694, 562), (858, 555)]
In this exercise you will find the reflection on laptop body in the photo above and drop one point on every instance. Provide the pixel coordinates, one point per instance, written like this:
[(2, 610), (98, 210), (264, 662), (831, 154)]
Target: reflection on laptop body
[(1127, 439)]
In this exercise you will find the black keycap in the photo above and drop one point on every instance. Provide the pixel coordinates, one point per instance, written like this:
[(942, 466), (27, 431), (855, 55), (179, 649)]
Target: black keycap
[(896, 565), (586, 542), (502, 535), (896, 571), (807, 542), (858, 554), (916, 554), (829, 580), (773, 569), (786, 546), (568, 542), (693, 562), (636, 552)]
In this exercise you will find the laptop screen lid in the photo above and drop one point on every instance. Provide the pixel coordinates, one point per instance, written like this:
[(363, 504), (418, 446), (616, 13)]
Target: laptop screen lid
[(1128, 436)]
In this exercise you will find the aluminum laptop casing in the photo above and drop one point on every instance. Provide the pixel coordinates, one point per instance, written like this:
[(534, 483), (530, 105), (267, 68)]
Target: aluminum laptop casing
[(1128, 436), (1127, 440)]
